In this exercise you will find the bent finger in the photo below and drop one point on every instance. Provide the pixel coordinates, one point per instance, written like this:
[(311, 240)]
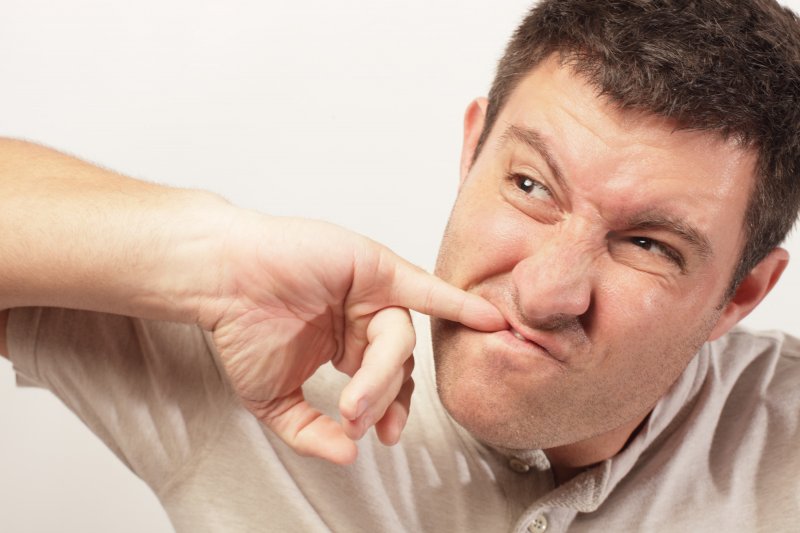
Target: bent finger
[(377, 408), (391, 425), (305, 429), (384, 368)]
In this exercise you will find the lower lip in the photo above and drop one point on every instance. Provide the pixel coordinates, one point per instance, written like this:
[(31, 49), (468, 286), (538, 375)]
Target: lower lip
[(517, 353)]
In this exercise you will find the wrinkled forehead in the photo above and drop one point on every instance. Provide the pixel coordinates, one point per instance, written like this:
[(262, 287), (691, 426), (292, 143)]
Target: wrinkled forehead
[(623, 160), (574, 115), (556, 76)]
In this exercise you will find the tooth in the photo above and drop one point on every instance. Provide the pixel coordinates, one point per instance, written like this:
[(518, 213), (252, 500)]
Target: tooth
[(518, 335)]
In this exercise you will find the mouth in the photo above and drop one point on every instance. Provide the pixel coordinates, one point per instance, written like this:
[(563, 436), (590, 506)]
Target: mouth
[(538, 341), (555, 345), (518, 335)]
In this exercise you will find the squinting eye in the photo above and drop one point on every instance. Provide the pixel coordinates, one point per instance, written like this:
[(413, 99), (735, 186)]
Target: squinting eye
[(659, 249), (531, 187)]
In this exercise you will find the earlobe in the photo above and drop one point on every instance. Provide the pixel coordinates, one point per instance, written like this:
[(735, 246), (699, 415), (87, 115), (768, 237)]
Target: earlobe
[(473, 126), (751, 291)]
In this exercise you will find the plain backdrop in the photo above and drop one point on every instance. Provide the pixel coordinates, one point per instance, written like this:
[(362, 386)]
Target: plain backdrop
[(347, 111)]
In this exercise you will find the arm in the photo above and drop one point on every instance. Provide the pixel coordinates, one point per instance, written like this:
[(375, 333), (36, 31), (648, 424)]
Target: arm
[(75, 235), (281, 296), (67, 227)]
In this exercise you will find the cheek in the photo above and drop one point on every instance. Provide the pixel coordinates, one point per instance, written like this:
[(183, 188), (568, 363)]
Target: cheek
[(635, 311), (480, 242), (628, 307)]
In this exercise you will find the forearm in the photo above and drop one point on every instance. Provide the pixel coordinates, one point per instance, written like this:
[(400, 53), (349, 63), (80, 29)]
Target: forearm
[(74, 235)]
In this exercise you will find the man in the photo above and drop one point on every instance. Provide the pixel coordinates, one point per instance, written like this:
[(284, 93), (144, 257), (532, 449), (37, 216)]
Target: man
[(624, 192)]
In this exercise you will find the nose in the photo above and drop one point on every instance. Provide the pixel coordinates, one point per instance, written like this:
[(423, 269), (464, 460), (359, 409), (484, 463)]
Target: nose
[(554, 279)]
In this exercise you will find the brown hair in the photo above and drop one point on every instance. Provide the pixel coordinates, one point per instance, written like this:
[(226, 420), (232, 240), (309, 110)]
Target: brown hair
[(729, 66)]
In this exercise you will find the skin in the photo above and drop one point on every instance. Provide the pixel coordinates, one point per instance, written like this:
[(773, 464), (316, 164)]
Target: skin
[(607, 238), (611, 319), (280, 296)]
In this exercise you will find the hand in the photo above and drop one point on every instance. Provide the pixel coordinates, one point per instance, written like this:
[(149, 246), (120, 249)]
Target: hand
[(281, 296), (295, 294)]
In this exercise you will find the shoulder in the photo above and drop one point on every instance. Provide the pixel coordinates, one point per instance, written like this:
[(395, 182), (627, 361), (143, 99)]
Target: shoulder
[(754, 377), (754, 388), (761, 365), (731, 446)]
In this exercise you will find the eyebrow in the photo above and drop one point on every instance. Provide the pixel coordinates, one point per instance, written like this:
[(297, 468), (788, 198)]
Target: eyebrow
[(662, 221), (535, 141), (643, 221)]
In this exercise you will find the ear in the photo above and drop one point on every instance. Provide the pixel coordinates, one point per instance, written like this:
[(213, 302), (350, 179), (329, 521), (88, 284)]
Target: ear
[(473, 126), (751, 291)]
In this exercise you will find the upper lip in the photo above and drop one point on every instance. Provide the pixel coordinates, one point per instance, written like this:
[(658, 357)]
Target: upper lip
[(549, 341), (541, 339)]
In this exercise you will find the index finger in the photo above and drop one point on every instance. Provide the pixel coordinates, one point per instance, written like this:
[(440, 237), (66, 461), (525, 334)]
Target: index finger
[(416, 289)]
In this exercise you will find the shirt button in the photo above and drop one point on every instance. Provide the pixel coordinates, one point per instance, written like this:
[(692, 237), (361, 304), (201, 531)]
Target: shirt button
[(539, 525), (518, 466)]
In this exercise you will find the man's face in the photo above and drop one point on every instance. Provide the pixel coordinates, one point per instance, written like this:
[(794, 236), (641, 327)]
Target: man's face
[(607, 239)]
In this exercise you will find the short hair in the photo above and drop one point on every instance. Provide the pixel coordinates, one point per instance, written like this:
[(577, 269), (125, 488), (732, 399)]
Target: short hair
[(728, 66)]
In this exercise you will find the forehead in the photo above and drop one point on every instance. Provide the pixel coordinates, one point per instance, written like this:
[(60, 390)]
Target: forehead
[(553, 94), (624, 161)]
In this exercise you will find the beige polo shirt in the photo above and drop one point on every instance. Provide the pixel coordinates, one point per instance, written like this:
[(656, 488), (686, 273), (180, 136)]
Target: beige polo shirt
[(720, 452)]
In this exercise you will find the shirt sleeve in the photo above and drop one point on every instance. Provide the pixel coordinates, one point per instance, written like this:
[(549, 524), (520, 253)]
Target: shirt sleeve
[(152, 391)]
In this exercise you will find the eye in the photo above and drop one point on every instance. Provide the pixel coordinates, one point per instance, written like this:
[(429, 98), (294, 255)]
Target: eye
[(530, 196), (531, 187), (658, 248)]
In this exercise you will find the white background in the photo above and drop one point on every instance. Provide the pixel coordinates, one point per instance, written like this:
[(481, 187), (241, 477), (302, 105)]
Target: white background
[(348, 111)]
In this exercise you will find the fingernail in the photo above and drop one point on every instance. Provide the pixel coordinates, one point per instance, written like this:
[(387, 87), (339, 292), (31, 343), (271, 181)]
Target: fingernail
[(367, 422), (361, 407)]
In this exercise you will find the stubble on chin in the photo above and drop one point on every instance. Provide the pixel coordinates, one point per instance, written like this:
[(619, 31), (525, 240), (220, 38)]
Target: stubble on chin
[(472, 394), (497, 412)]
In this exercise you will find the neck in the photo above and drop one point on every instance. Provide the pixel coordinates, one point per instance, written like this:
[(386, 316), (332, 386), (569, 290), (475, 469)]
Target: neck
[(569, 460)]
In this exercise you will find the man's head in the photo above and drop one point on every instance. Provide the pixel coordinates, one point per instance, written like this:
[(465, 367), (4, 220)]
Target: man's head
[(607, 194), (725, 66)]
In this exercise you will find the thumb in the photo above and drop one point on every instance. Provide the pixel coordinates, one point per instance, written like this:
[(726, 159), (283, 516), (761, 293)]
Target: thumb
[(305, 429), (416, 289)]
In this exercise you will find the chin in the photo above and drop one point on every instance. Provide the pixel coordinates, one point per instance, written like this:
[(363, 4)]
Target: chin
[(497, 403), (490, 415)]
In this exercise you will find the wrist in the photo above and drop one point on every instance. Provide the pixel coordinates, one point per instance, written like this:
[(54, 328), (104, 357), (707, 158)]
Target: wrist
[(185, 257), (78, 236)]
